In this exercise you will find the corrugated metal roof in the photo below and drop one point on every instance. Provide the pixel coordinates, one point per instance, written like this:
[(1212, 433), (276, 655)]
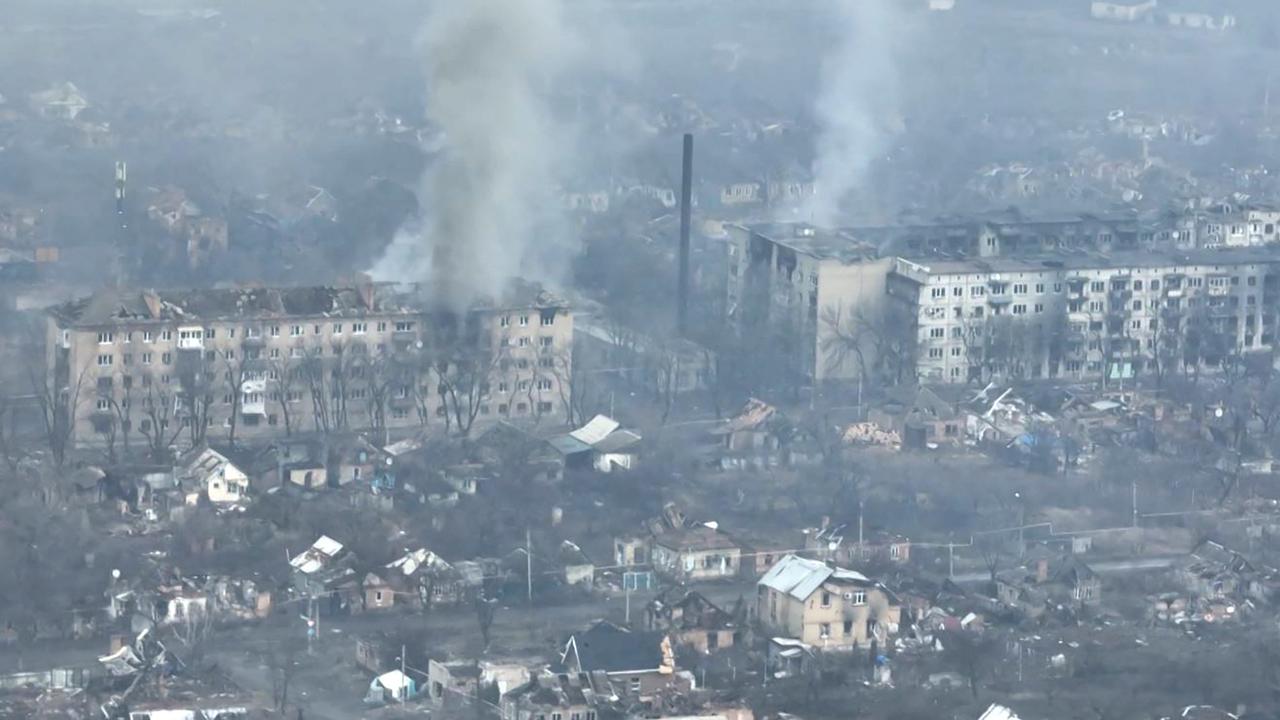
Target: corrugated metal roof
[(596, 430), (796, 576), (568, 445), (313, 558), (998, 712)]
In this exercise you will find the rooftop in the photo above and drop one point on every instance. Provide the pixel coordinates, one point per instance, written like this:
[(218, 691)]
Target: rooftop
[(800, 577), (111, 305), (695, 538), (609, 648), (1068, 261), (863, 242)]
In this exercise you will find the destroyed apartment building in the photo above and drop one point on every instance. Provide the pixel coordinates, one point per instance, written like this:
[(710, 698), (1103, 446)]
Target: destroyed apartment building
[(178, 368), (1086, 299)]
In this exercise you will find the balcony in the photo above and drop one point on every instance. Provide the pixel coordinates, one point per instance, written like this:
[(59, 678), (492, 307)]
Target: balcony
[(1000, 299), (191, 338), (1122, 295), (253, 395)]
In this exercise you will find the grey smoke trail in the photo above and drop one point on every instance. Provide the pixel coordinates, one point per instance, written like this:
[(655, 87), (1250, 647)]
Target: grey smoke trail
[(491, 65), (858, 87)]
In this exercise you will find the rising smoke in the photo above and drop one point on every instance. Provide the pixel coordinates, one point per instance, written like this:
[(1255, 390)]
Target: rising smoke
[(487, 197), (858, 91)]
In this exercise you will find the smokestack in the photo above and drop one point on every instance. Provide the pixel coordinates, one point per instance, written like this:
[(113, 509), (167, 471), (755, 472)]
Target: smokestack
[(686, 202)]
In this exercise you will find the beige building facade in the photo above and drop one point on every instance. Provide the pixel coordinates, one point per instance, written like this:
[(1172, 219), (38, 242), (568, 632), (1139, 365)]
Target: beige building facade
[(825, 606), (1084, 316), (169, 369)]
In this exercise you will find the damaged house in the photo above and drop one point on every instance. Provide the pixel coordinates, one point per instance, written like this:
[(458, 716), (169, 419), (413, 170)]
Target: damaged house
[(824, 606), (213, 475), (636, 664), (691, 620), (1214, 572), (761, 436), (551, 695), (920, 417), (325, 572)]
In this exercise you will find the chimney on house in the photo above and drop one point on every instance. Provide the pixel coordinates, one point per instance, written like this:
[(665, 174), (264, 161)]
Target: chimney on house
[(153, 303), (686, 202)]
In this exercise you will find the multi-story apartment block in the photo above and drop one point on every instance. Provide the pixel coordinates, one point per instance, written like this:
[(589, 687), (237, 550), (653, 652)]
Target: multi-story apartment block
[(1084, 315), (816, 297), (1229, 227), (183, 367)]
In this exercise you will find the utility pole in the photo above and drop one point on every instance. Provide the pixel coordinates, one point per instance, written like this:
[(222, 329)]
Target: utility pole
[(528, 564), (1022, 522), (951, 560), (404, 685), (626, 593), (861, 554), (1135, 500)]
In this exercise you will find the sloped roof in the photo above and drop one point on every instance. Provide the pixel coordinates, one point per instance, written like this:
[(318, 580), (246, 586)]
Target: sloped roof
[(394, 681), (617, 440), (610, 648), (695, 538), (317, 556), (800, 577), (752, 416), (998, 712), (420, 558), (597, 429), (601, 434)]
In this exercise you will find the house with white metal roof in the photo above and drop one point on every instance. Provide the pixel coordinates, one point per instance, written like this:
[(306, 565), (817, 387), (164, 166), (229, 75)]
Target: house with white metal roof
[(824, 606)]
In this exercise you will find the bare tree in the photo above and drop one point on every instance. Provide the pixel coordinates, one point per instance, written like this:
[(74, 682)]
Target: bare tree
[(573, 386), (8, 449), (59, 406), (195, 377), (238, 369), (881, 342), (463, 384), (194, 632), (282, 659), (159, 425), (485, 610), (379, 374), (286, 375), (316, 380)]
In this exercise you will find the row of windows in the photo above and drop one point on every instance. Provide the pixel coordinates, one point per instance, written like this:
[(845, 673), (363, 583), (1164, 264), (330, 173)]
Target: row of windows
[(548, 319), (106, 337), (589, 715), (524, 341), (1096, 286), (521, 408)]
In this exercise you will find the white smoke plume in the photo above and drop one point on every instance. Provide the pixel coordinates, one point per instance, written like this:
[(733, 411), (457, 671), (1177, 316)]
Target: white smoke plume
[(858, 90), (487, 198)]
